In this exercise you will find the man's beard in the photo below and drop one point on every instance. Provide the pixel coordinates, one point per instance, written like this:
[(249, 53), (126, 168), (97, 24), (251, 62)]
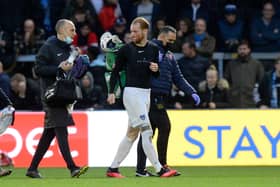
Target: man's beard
[(243, 57), (139, 39)]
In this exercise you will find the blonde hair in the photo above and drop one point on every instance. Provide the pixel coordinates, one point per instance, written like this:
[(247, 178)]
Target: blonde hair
[(144, 24), (212, 68)]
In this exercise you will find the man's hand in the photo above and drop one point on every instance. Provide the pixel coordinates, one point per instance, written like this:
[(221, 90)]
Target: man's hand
[(22, 89), (111, 99), (212, 105), (65, 66), (264, 107), (153, 67)]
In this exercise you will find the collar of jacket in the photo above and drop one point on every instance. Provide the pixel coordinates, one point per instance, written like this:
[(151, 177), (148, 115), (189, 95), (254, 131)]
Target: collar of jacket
[(160, 46), (62, 44)]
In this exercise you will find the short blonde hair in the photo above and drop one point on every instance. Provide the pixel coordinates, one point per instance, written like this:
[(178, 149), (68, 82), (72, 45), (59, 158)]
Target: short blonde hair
[(144, 24)]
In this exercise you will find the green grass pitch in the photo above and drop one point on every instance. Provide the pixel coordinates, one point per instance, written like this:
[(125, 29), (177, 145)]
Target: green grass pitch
[(191, 177)]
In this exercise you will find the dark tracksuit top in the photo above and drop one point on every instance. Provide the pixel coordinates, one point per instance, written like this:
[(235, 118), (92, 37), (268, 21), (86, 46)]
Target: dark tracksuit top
[(169, 73), (50, 55), (135, 61)]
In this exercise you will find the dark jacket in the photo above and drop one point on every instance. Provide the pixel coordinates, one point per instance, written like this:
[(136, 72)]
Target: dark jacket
[(194, 69), (31, 101), (265, 89), (242, 76), (169, 73), (93, 96), (207, 47), (202, 12), (217, 95), (50, 55), (265, 38), (230, 32)]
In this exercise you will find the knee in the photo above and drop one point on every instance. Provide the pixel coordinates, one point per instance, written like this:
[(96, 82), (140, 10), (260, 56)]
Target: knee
[(147, 134), (132, 136)]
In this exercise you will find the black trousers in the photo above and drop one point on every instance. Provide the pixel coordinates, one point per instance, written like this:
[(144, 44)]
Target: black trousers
[(48, 135), (160, 121)]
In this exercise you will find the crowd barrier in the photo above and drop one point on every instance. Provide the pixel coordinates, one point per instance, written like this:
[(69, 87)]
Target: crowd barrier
[(220, 57), (198, 138)]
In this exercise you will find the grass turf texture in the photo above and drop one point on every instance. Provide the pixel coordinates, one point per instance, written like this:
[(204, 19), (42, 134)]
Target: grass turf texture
[(191, 177)]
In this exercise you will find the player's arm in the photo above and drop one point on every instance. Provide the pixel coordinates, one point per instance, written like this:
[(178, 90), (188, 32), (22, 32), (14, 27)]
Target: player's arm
[(42, 66), (119, 64), (179, 80), (154, 65)]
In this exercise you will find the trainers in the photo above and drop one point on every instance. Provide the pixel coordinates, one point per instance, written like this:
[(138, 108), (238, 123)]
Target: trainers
[(165, 172), (177, 172), (33, 174), (4, 172), (114, 173), (144, 173), (79, 171)]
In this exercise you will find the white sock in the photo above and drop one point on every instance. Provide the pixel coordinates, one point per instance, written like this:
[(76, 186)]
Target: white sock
[(122, 152), (149, 149)]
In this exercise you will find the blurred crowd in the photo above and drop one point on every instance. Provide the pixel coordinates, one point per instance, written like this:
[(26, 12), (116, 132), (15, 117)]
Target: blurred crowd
[(203, 27)]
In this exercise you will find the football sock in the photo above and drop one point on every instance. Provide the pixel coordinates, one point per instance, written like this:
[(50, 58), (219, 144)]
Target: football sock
[(149, 149), (122, 152)]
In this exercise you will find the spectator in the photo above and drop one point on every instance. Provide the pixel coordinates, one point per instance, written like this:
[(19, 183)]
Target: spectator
[(97, 67), (4, 80), (177, 99), (205, 43), (184, 29), (85, 38), (269, 88), (127, 38), (196, 10), (119, 28), (93, 96), (80, 17), (7, 56), (109, 13), (149, 9), (231, 29), (192, 65), (158, 25), (97, 4), (213, 91), (265, 31), (74, 5), (25, 93), (29, 39), (80, 11), (243, 74)]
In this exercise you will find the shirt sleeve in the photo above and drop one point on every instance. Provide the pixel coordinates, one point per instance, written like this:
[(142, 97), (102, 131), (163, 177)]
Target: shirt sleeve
[(156, 60), (119, 65), (42, 63), (179, 79)]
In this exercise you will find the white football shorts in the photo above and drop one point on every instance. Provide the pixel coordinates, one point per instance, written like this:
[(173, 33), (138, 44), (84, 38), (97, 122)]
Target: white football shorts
[(137, 104)]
